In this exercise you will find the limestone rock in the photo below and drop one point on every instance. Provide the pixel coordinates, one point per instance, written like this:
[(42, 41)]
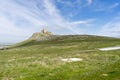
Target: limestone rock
[(43, 35)]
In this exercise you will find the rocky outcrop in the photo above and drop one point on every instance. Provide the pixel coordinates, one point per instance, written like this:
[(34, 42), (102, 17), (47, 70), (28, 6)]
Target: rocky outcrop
[(43, 35), (4, 47)]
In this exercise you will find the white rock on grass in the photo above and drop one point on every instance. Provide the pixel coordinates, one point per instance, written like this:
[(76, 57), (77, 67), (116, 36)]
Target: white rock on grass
[(110, 48), (71, 59)]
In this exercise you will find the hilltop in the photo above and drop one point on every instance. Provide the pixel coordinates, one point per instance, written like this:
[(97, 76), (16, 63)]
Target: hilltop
[(45, 36)]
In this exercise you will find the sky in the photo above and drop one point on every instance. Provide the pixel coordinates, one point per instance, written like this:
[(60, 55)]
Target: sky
[(19, 19)]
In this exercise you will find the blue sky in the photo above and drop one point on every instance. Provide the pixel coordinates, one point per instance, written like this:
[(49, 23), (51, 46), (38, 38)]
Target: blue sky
[(20, 18)]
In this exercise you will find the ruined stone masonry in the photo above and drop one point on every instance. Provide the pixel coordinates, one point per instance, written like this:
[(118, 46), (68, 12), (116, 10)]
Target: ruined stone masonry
[(43, 35)]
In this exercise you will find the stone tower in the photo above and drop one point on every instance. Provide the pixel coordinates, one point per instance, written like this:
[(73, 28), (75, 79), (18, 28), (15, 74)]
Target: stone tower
[(44, 31)]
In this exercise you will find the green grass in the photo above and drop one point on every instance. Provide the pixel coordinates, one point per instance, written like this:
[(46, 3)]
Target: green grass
[(41, 60)]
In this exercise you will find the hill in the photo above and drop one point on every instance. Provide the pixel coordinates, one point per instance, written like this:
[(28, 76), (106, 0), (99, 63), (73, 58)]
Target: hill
[(43, 57), (55, 39), (47, 37)]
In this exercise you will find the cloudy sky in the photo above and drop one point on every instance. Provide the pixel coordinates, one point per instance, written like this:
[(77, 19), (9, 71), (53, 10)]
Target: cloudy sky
[(20, 18)]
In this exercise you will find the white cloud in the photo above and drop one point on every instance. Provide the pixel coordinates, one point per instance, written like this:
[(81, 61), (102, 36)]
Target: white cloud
[(101, 7), (90, 2), (113, 6), (78, 22), (86, 22), (22, 18), (111, 28)]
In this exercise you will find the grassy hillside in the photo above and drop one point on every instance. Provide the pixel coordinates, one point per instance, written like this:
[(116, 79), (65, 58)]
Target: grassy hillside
[(41, 60)]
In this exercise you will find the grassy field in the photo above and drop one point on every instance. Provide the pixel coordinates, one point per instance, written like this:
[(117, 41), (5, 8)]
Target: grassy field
[(41, 60)]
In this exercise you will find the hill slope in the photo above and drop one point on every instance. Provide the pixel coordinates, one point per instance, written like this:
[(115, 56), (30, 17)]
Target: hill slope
[(53, 39), (41, 59), (47, 37)]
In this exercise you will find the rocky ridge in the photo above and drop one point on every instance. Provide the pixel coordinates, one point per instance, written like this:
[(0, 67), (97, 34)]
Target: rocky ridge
[(43, 35)]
